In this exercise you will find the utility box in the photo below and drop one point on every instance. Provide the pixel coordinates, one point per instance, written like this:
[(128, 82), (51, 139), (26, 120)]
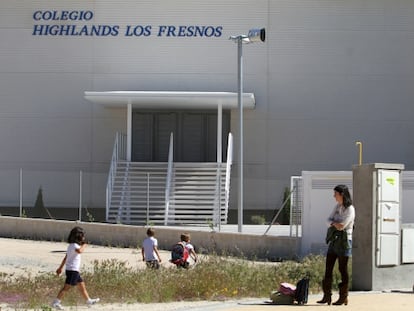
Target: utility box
[(407, 244), (377, 237), (388, 219)]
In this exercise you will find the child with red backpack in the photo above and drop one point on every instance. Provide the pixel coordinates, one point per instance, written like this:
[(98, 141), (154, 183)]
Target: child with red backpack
[(183, 252)]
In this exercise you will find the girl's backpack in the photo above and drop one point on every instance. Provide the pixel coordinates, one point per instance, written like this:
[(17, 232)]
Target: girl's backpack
[(179, 255), (302, 291)]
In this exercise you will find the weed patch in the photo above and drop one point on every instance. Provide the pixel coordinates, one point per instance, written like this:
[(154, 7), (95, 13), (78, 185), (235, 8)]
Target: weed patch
[(214, 278)]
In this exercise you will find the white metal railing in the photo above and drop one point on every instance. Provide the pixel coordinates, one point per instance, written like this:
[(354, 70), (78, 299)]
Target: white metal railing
[(228, 171), (169, 178), (296, 205), (118, 153), (217, 198), (138, 195), (294, 202), (124, 198)]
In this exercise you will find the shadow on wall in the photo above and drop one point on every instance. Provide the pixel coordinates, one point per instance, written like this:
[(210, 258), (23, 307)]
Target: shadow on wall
[(61, 213), (99, 214)]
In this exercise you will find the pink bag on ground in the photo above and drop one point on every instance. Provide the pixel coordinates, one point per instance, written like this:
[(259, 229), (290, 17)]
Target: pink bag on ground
[(287, 289)]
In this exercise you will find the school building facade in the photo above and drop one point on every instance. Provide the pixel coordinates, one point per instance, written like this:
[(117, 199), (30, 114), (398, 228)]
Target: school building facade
[(77, 74)]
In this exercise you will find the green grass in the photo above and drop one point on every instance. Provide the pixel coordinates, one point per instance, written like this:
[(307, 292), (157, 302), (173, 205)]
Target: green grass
[(214, 278)]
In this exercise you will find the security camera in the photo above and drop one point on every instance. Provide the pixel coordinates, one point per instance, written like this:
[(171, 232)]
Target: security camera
[(257, 35)]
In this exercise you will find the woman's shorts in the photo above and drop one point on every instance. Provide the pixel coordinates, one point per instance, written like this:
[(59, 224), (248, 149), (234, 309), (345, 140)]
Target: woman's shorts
[(344, 252), (73, 277)]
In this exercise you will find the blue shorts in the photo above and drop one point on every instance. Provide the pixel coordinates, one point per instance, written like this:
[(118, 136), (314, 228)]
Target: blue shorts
[(346, 253), (73, 277)]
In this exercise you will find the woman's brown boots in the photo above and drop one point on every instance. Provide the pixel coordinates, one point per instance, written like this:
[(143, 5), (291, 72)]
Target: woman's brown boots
[(343, 295), (327, 292)]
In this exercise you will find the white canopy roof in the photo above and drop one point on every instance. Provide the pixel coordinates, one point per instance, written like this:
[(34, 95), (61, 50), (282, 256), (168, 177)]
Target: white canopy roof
[(170, 100)]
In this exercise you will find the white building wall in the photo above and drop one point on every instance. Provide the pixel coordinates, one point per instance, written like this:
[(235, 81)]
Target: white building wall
[(329, 73)]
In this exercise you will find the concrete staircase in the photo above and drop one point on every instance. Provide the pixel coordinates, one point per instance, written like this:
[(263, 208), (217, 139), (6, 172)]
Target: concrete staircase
[(197, 195)]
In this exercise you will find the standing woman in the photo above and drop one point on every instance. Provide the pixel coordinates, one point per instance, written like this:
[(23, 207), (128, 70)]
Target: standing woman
[(339, 238)]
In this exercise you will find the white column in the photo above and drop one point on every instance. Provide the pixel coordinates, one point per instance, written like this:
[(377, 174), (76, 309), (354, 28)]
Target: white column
[(129, 131), (219, 132)]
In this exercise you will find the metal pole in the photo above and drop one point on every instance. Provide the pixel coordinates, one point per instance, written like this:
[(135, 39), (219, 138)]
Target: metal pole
[(21, 193), (148, 200), (254, 35), (240, 100), (80, 195)]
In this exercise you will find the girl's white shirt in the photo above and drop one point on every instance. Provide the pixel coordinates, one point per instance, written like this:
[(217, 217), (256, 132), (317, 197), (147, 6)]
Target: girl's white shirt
[(345, 216), (189, 247), (73, 258)]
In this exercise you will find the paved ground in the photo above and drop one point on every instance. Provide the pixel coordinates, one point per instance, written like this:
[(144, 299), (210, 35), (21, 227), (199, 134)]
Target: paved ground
[(401, 301), (31, 257)]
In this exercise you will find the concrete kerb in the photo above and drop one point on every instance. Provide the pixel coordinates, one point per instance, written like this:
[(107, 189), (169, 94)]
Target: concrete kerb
[(235, 244)]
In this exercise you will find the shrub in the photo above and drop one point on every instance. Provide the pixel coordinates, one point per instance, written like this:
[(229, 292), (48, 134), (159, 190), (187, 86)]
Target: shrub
[(213, 278)]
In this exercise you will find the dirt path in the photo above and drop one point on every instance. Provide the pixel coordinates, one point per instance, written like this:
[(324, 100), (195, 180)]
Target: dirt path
[(24, 256)]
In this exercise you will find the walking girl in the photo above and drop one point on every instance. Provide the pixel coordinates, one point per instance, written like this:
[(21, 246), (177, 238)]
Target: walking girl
[(72, 259)]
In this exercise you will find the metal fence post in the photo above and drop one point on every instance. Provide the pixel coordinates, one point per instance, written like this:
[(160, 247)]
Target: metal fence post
[(21, 193), (80, 195)]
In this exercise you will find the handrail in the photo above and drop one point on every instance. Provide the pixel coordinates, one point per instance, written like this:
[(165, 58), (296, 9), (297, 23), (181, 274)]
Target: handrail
[(228, 169), (295, 184), (116, 191), (280, 210), (169, 178), (217, 199), (118, 152)]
